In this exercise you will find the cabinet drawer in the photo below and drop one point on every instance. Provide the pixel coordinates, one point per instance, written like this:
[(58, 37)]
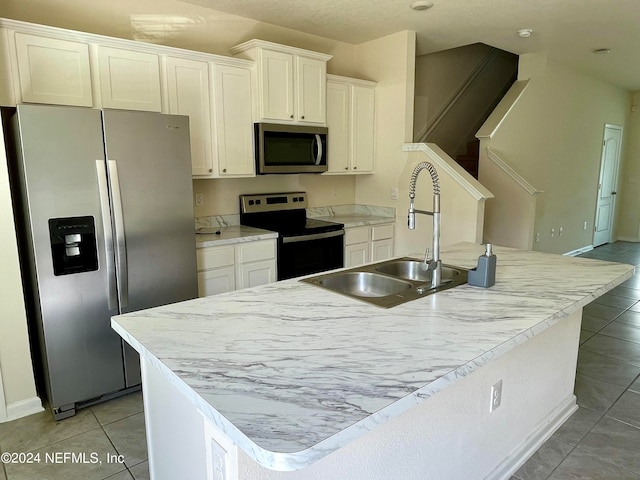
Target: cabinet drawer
[(380, 232), (356, 235), (254, 251), (218, 280), (214, 257)]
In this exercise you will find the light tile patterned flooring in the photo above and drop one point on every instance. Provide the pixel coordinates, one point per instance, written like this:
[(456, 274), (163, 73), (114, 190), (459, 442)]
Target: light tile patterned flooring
[(102, 432), (600, 441)]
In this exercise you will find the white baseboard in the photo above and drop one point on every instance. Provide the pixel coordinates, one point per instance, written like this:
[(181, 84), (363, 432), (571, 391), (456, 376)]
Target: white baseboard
[(521, 454), (629, 239), (23, 408), (579, 251)]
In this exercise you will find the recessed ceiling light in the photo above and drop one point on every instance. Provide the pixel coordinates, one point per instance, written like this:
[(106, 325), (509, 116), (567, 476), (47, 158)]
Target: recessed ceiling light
[(601, 51), (525, 33), (421, 5)]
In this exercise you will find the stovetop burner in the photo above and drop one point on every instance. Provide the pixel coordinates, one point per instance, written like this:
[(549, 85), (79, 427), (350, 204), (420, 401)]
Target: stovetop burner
[(284, 213)]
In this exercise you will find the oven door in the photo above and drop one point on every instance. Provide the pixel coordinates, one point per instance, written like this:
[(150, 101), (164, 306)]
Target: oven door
[(307, 254)]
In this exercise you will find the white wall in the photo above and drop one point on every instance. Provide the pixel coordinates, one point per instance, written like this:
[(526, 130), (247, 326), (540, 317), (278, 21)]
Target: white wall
[(16, 373), (390, 61), (439, 76), (221, 195), (553, 137), (629, 206)]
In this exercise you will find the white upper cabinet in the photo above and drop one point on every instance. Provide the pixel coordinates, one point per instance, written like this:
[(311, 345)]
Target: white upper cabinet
[(53, 71), (339, 124), (362, 128), (291, 82), (7, 96), (351, 123), (129, 79), (311, 84), (188, 94), (233, 126), (276, 90)]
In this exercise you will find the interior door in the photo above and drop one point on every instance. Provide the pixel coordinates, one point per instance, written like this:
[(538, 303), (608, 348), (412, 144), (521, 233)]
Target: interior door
[(607, 185)]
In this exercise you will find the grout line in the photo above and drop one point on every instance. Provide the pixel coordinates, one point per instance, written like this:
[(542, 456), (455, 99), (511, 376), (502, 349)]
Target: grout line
[(603, 414)]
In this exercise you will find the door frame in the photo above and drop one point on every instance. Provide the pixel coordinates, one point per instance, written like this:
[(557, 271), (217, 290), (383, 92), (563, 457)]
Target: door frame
[(615, 183)]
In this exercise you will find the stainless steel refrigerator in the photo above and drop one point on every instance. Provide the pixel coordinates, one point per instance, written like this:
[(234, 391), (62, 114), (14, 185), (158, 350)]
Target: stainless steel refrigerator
[(103, 204)]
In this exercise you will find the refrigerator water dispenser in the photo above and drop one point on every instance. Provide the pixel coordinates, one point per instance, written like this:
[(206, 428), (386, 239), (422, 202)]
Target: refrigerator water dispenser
[(73, 245)]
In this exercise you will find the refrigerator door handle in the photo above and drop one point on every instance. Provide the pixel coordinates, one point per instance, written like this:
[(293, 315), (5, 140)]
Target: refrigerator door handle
[(122, 273), (103, 189)]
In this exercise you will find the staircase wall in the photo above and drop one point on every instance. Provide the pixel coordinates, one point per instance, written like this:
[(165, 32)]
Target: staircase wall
[(552, 136), (448, 109)]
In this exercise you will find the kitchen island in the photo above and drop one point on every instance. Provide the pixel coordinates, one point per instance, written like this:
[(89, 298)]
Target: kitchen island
[(289, 381)]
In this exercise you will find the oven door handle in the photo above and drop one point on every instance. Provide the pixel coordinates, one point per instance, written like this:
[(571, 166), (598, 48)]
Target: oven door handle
[(313, 236)]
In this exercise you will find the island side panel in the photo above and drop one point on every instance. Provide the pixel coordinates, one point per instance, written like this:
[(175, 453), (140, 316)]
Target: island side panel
[(452, 435), (175, 429)]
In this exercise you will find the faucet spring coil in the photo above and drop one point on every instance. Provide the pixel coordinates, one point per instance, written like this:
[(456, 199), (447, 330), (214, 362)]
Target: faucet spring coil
[(434, 178)]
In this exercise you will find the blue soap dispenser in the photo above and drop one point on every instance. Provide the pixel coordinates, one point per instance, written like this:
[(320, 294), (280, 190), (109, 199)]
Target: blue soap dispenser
[(484, 275)]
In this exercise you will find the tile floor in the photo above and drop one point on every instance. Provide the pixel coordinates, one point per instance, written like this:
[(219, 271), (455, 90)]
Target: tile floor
[(600, 441), (110, 435)]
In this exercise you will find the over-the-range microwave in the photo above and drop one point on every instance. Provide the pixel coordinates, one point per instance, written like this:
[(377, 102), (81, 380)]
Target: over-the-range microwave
[(290, 148)]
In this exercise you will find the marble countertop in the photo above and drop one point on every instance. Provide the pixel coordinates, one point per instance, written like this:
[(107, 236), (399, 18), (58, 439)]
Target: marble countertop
[(354, 215), (230, 235), (291, 372)]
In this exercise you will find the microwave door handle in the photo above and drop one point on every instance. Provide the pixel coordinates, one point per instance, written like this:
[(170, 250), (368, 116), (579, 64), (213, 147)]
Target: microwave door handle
[(318, 142)]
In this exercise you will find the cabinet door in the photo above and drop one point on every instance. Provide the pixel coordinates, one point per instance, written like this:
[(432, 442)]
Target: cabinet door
[(233, 121), (7, 96), (356, 254), (188, 92), (311, 90), (256, 273), (381, 249), (362, 128), (129, 80), (53, 71), (338, 112), (276, 89), (218, 280)]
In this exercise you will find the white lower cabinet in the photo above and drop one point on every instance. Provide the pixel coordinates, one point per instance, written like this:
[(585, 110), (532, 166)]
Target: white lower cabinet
[(216, 270), (368, 244), (231, 267)]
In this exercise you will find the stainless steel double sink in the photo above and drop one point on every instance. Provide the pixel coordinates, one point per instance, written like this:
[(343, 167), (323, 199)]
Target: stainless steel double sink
[(389, 283)]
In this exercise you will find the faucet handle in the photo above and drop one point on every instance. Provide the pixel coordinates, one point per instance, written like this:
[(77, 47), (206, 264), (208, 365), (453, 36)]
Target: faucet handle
[(427, 255)]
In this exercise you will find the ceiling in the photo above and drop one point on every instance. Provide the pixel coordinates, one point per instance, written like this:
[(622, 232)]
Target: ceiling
[(566, 30)]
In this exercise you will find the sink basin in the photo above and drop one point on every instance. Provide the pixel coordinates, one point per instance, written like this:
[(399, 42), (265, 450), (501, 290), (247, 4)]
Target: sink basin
[(415, 270), (364, 284), (389, 283)]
